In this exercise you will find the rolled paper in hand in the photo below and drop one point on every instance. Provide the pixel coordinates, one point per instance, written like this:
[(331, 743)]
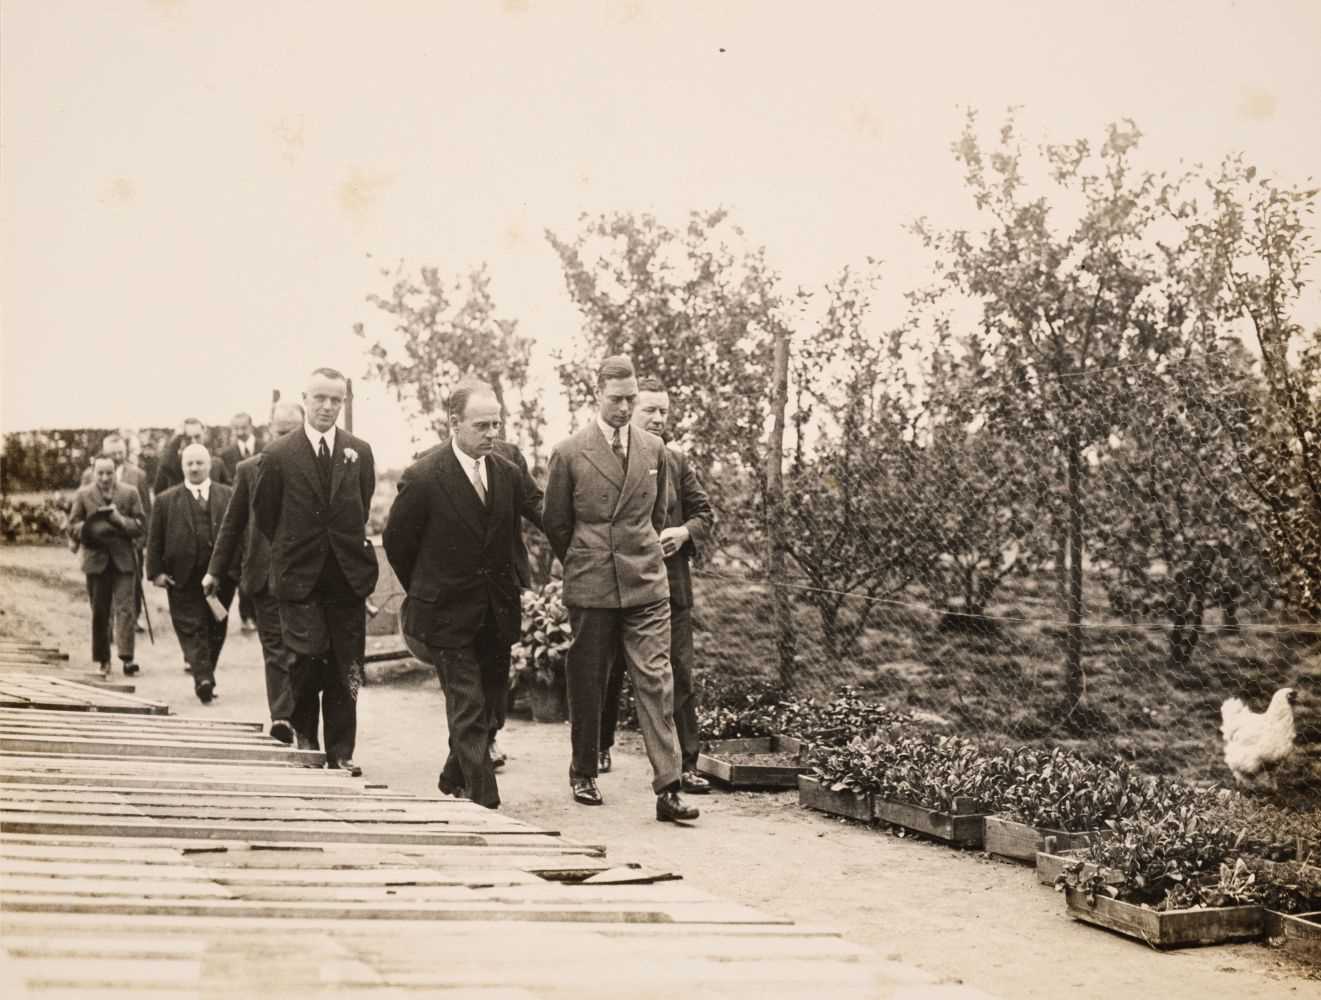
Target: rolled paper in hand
[(219, 610)]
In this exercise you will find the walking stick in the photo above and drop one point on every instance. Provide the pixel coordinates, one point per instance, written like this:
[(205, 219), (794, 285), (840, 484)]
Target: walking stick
[(142, 594)]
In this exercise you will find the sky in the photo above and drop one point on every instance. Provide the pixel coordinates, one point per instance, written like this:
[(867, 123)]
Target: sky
[(198, 196)]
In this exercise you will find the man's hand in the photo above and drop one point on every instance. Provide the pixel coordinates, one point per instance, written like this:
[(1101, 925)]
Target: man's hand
[(208, 585), (163, 580), (673, 539)]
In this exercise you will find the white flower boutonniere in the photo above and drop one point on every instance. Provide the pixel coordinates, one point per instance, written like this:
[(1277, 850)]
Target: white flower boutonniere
[(350, 455)]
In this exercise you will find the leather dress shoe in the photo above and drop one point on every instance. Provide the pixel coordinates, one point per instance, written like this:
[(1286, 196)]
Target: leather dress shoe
[(344, 765), (305, 742), (452, 790), (498, 757), (206, 690), (282, 731), (130, 668), (585, 792), (603, 762), (670, 808), (694, 783)]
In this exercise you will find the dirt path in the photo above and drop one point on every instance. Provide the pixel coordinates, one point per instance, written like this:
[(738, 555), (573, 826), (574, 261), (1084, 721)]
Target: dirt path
[(955, 918)]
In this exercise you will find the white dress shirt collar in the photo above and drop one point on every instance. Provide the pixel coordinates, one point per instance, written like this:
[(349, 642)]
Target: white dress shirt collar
[(244, 446), (468, 461), (204, 487), (315, 437), (609, 433)]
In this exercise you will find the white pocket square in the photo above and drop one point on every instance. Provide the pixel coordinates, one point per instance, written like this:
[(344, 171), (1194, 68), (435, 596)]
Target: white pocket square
[(651, 472)]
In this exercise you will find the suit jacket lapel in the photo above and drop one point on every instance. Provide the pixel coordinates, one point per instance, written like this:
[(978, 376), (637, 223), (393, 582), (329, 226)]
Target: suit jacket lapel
[(458, 487), (306, 459), (499, 487), (637, 468), (338, 467), (597, 451)]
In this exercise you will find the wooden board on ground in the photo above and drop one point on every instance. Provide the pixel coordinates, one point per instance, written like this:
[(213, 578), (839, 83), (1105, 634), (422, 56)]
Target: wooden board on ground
[(32, 690), (147, 854)]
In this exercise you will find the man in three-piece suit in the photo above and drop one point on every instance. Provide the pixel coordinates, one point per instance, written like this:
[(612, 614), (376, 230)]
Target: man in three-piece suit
[(109, 559), (450, 539), (314, 493), (689, 522), (169, 469), (242, 445), (603, 513), (185, 523), (241, 545), (497, 707)]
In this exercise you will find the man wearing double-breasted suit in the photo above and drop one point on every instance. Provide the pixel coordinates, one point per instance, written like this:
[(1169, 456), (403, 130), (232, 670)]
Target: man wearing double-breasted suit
[(603, 513), (689, 522), (185, 523)]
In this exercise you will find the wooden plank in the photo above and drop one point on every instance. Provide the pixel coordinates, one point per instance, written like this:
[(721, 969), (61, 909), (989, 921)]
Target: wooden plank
[(958, 829), (177, 749), (814, 794), (114, 719), (672, 912), (1015, 841), (273, 785)]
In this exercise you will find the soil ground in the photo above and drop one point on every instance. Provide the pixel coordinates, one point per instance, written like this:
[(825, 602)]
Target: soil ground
[(953, 917)]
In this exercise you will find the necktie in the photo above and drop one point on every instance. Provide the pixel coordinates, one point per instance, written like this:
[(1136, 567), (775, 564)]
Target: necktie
[(323, 462), (198, 494), (477, 480), (617, 446)]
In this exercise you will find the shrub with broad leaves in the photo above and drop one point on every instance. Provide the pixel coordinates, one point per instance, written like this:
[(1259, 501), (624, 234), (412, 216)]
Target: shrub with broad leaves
[(542, 652)]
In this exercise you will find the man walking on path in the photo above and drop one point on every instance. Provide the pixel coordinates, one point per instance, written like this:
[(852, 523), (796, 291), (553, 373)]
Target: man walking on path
[(106, 520), (604, 512), (242, 445), (450, 539), (114, 447), (241, 545), (314, 493), (689, 522), (185, 524)]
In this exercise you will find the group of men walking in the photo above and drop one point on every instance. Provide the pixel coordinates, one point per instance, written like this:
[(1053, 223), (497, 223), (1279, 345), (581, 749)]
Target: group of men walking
[(623, 512)]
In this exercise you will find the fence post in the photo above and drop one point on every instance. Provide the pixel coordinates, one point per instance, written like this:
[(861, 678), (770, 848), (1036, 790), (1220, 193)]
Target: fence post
[(781, 602)]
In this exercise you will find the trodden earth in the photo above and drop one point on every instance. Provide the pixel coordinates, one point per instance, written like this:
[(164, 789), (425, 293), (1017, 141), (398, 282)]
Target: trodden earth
[(948, 923)]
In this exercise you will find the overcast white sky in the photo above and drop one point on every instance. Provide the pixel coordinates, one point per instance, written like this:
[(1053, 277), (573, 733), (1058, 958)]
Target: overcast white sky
[(192, 189)]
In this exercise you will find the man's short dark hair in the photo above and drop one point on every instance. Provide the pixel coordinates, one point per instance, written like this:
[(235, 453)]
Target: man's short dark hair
[(465, 390), (616, 366), (650, 383), (192, 420), (102, 458), (241, 416), (113, 438), (337, 375)]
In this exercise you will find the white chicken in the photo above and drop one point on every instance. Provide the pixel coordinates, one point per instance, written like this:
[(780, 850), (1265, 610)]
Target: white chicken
[(1255, 743)]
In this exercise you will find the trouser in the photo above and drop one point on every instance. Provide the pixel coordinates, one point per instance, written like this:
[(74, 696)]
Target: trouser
[(110, 594), (200, 635), (642, 636), (328, 635), (472, 679), (685, 701), (497, 698), (278, 659)]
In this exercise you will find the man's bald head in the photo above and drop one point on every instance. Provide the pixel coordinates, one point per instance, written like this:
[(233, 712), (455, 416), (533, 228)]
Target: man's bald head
[(285, 418), (196, 463)]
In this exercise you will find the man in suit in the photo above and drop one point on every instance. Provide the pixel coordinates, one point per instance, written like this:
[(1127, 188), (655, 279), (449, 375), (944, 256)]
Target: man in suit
[(450, 539), (498, 707), (603, 513), (109, 559), (185, 524), (241, 546), (169, 470), (689, 522), (242, 444), (114, 446), (314, 493)]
